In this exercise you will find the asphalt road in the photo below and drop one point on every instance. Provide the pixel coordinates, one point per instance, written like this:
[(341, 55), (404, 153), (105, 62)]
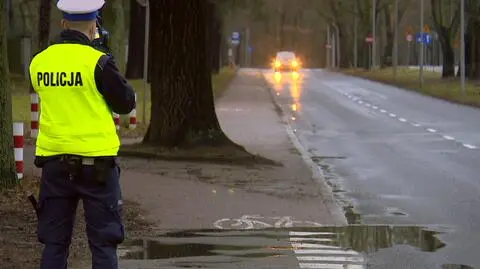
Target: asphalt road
[(405, 162), (397, 157)]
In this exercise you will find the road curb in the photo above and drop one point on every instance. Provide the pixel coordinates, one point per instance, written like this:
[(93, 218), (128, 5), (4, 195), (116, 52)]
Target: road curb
[(317, 173)]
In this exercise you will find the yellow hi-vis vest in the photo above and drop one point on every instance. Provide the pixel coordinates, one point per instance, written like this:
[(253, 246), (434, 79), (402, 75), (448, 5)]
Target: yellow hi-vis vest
[(74, 118)]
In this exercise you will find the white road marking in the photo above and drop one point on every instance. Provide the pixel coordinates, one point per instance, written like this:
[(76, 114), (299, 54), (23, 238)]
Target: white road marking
[(331, 259), (311, 239), (470, 146), (447, 137), (332, 256), (430, 130), (325, 251), (310, 233), (330, 266)]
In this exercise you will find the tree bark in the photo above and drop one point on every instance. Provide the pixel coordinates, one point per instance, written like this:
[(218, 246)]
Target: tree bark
[(136, 38), (213, 37), (8, 176), (114, 20), (183, 113), (44, 24), (45, 10), (448, 66)]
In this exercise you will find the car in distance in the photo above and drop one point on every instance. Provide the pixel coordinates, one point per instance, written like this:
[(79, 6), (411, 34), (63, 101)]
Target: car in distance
[(286, 61)]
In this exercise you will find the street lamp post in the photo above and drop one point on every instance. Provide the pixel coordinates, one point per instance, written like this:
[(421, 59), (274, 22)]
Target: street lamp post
[(329, 47), (462, 45), (355, 38), (374, 34), (395, 44), (422, 45), (146, 5)]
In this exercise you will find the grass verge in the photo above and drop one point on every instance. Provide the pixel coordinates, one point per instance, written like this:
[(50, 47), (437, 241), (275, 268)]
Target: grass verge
[(434, 85), (18, 242), (21, 100)]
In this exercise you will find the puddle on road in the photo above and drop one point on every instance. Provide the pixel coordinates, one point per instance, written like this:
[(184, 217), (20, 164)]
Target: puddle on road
[(201, 247)]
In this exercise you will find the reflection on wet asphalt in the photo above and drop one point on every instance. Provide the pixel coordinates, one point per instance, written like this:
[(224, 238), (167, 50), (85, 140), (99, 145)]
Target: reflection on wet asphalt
[(354, 247), (390, 156)]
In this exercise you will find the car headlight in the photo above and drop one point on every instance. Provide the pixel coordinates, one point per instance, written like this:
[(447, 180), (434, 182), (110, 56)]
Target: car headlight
[(278, 64), (295, 63)]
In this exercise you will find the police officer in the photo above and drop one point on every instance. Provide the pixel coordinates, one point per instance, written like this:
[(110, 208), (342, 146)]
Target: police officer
[(79, 87)]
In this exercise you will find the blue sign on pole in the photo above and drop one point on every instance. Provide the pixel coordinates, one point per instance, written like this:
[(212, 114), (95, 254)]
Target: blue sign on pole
[(235, 38), (427, 38)]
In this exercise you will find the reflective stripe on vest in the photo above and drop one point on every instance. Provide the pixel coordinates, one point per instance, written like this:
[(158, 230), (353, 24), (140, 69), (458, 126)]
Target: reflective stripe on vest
[(74, 117)]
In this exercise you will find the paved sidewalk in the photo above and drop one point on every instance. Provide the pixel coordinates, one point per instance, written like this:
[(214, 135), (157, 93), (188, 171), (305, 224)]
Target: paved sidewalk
[(189, 195)]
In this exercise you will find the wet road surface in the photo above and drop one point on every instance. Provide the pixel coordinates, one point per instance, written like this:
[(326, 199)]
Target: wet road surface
[(394, 156), (354, 247), (394, 159)]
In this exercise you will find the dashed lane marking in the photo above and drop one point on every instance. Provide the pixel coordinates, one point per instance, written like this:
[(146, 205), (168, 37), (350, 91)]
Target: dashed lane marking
[(469, 146), (414, 124), (447, 137)]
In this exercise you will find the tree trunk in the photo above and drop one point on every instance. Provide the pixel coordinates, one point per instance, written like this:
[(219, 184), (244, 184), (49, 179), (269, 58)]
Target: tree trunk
[(476, 72), (448, 66), (136, 39), (45, 10), (115, 23), (213, 40), (183, 113), (388, 49), (44, 24), (8, 176), (468, 52)]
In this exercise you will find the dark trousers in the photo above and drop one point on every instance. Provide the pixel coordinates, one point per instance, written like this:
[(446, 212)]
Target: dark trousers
[(58, 200)]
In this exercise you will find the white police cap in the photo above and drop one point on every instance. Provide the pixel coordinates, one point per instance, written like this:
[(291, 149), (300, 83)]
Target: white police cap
[(78, 10)]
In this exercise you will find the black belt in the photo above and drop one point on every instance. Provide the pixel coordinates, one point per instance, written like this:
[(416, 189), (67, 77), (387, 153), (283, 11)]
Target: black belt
[(40, 161), (74, 163)]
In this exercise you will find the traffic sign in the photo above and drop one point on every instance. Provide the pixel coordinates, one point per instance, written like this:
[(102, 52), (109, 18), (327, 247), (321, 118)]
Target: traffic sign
[(409, 37), (409, 30), (236, 38), (426, 28), (369, 38), (427, 38)]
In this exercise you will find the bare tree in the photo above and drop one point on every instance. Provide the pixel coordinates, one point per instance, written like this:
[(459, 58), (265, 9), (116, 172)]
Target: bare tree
[(8, 177)]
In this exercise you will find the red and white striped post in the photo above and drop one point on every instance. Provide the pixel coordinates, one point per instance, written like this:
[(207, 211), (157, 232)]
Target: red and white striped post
[(18, 147), (133, 117), (34, 101), (116, 120)]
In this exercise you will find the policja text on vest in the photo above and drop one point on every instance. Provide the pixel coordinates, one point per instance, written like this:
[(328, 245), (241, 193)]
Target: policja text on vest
[(59, 79)]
